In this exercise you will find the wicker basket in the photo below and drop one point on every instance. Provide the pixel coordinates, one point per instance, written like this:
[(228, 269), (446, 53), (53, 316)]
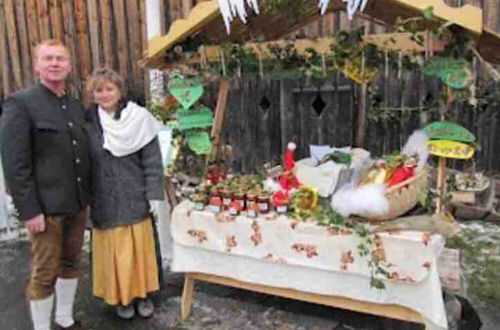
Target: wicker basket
[(402, 197)]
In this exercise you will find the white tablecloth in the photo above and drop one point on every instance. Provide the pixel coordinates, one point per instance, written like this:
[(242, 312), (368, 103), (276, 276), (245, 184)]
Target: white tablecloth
[(306, 257)]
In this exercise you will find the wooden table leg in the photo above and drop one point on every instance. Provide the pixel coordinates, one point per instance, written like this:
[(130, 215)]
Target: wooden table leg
[(187, 296)]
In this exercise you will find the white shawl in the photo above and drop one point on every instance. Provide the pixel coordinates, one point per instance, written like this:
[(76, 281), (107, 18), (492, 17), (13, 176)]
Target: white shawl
[(135, 128)]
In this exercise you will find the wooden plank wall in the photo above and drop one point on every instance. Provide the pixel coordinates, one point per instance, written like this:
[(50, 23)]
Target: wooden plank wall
[(259, 135), (113, 33), (98, 33)]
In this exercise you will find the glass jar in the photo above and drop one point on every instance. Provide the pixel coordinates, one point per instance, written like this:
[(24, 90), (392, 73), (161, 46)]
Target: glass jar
[(252, 206), (263, 203), (281, 209), (240, 198), (234, 208), (215, 201), (227, 197)]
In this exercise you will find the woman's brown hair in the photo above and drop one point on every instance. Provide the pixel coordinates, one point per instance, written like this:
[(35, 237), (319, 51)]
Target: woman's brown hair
[(103, 75)]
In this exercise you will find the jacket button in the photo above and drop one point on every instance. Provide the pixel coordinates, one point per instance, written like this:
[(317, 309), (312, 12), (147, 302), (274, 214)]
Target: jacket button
[(70, 124), (63, 106), (79, 179), (75, 143), (77, 160)]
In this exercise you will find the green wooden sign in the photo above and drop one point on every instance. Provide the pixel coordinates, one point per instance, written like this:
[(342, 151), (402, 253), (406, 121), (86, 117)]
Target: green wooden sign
[(444, 130), (199, 142), (453, 72), (187, 91), (198, 118)]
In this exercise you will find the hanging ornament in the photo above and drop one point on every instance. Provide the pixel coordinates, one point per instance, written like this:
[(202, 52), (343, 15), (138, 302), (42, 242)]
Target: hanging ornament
[(352, 6), (230, 8)]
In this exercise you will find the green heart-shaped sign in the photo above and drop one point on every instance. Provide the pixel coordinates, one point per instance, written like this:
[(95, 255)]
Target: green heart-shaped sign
[(199, 118), (187, 91), (199, 142)]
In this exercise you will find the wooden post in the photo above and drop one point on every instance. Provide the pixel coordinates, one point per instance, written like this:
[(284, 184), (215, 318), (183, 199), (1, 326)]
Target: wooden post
[(10, 20), (170, 191), (187, 297), (220, 112), (361, 126), (24, 42), (441, 184)]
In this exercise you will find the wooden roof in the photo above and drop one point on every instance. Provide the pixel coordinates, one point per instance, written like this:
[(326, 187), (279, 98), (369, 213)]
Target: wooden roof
[(205, 20)]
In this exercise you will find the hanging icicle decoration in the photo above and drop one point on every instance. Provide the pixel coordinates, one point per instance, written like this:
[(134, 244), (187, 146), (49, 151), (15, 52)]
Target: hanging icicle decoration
[(232, 8), (352, 6)]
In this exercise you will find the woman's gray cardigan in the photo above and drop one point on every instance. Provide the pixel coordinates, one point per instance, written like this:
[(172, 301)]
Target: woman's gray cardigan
[(121, 187)]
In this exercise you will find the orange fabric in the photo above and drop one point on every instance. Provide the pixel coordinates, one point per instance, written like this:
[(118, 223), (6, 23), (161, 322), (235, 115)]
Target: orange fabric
[(124, 263)]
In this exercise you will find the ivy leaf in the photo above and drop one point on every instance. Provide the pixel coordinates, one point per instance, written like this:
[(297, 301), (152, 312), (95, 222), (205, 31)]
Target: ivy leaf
[(377, 284), (428, 13)]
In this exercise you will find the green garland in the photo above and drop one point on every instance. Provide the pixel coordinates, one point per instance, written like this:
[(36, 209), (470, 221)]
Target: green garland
[(326, 216)]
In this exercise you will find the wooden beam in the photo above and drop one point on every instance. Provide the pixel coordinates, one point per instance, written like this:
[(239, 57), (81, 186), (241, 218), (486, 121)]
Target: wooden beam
[(70, 41), (43, 19), (488, 46), (201, 19), (181, 29), (361, 122), (144, 34), (93, 19), (33, 31), (170, 192), (467, 16), (24, 42), (4, 55), (56, 19), (107, 34), (82, 34), (385, 310), (220, 112), (122, 42), (390, 41), (187, 296), (15, 55), (135, 44)]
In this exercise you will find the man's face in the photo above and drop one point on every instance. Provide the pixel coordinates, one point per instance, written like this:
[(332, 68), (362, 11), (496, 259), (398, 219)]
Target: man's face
[(53, 64)]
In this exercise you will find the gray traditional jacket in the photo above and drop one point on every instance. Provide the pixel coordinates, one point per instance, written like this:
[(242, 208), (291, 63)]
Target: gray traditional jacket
[(45, 152), (121, 186)]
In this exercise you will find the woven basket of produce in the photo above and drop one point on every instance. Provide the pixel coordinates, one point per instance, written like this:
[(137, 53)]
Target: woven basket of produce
[(402, 197)]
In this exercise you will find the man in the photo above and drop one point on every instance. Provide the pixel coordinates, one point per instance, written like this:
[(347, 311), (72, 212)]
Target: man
[(47, 167)]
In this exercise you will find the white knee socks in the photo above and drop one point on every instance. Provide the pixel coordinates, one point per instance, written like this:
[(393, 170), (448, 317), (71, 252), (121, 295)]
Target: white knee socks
[(65, 297), (41, 311)]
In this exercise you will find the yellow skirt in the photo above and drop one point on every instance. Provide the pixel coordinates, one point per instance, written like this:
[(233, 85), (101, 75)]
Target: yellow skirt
[(124, 263)]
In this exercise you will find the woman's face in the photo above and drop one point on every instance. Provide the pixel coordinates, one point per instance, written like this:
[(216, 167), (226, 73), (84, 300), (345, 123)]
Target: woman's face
[(107, 95)]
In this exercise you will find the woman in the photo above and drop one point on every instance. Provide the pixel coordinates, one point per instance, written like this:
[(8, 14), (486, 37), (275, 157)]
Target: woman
[(127, 174)]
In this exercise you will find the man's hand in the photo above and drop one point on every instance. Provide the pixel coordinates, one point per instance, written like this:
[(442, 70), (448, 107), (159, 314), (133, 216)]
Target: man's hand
[(36, 224)]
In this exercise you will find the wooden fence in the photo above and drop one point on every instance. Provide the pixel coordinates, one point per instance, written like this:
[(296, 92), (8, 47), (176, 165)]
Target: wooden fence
[(113, 33), (104, 32), (263, 116)]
